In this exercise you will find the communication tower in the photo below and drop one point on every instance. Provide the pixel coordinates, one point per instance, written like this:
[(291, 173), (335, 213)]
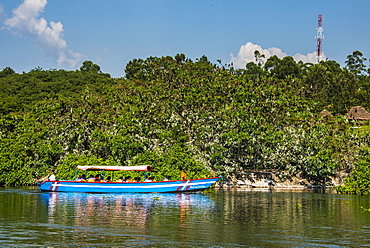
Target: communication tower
[(319, 37)]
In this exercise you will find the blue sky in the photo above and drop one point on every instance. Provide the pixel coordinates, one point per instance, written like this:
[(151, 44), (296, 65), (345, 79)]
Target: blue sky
[(62, 34)]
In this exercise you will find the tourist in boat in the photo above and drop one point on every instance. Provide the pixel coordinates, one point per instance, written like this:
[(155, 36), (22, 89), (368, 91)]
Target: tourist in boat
[(128, 179), (149, 179), (120, 180), (166, 179), (91, 179), (52, 176), (108, 180), (183, 175), (136, 179), (79, 178), (97, 178)]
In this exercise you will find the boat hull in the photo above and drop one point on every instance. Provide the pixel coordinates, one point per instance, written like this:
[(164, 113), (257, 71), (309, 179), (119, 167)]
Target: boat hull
[(130, 187)]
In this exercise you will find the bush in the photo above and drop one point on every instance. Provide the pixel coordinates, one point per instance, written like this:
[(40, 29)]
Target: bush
[(359, 181)]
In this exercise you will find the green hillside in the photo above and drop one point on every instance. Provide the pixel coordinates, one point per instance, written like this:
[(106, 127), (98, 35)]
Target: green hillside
[(173, 113)]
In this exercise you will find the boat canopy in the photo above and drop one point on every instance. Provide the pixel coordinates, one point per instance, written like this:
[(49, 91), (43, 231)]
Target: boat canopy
[(116, 168)]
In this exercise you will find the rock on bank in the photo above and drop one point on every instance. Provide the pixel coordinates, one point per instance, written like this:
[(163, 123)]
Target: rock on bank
[(276, 179)]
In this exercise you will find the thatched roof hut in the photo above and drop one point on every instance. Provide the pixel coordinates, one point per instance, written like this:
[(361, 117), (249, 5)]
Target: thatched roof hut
[(325, 114), (358, 113)]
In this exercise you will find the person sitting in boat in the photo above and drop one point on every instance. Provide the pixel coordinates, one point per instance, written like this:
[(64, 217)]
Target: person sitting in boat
[(52, 176), (183, 175), (149, 179), (91, 179), (120, 180), (79, 178), (128, 179), (136, 179), (97, 178), (108, 180), (166, 179)]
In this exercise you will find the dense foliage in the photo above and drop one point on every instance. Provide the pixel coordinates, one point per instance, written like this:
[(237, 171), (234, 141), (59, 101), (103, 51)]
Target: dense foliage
[(358, 182), (173, 113)]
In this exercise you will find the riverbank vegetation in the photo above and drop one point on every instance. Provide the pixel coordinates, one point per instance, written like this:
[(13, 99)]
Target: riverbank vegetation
[(173, 113), (358, 183)]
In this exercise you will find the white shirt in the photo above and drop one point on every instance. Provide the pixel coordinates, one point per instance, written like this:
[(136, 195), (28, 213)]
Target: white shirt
[(52, 177)]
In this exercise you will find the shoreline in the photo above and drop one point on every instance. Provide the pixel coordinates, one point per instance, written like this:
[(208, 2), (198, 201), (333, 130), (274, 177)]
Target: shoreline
[(277, 180)]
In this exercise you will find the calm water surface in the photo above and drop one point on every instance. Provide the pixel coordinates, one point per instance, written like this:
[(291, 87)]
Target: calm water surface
[(234, 218)]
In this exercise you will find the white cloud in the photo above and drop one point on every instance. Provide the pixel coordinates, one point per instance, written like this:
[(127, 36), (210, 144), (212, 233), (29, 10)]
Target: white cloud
[(26, 20), (310, 57), (246, 55), (2, 12)]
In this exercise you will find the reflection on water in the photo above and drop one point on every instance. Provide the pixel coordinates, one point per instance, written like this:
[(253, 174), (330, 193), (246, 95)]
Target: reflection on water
[(128, 210), (122, 219), (267, 218)]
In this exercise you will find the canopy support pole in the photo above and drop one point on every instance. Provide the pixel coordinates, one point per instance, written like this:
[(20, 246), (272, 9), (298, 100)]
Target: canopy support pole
[(75, 175)]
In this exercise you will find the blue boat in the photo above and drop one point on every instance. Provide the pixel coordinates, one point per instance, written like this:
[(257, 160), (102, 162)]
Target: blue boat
[(127, 187)]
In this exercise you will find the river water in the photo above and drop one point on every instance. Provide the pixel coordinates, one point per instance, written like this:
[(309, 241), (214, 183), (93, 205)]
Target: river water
[(218, 218)]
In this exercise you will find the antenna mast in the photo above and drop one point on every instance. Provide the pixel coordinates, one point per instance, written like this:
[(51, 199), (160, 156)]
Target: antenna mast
[(319, 37)]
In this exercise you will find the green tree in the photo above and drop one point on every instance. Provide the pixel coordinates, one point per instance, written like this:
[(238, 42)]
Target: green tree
[(355, 63), (180, 58), (282, 68), (204, 60), (259, 58), (90, 66), (253, 69), (6, 71)]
